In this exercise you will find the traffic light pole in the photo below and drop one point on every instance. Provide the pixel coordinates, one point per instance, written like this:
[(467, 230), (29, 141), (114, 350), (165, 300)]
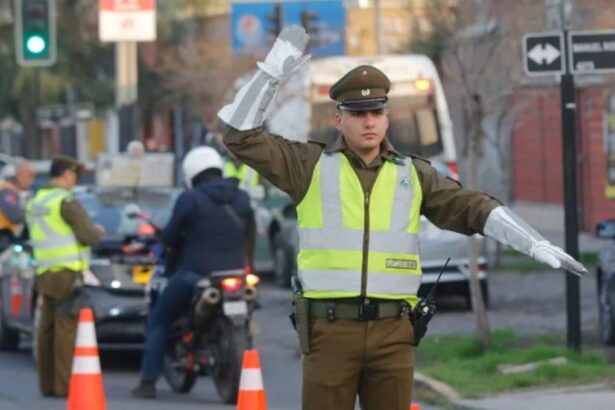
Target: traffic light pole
[(126, 90), (569, 110)]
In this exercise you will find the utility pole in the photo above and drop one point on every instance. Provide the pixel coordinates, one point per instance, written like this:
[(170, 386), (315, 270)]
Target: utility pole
[(378, 26), (569, 142)]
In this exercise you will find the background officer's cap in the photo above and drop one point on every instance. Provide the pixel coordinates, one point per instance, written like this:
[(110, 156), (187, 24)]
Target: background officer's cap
[(61, 163), (363, 88)]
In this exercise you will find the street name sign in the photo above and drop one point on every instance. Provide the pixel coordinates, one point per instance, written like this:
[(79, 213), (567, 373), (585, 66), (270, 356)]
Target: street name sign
[(542, 53), (126, 20), (591, 51)]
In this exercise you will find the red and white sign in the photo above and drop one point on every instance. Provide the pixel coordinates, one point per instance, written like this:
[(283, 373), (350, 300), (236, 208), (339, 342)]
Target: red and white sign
[(127, 20)]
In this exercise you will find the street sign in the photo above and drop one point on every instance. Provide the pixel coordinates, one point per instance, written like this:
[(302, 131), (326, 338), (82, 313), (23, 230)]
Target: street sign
[(542, 53), (591, 51), (126, 20)]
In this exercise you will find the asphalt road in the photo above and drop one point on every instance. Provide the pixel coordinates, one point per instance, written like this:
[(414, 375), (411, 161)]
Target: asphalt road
[(531, 302)]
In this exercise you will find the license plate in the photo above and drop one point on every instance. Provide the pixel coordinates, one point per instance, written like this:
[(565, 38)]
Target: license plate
[(142, 273), (235, 308)]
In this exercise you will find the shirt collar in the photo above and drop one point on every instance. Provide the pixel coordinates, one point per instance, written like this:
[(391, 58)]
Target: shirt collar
[(387, 151)]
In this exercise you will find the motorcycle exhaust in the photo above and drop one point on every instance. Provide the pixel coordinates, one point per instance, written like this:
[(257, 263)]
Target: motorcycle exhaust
[(211, 296), (250, 293), (204, 307)]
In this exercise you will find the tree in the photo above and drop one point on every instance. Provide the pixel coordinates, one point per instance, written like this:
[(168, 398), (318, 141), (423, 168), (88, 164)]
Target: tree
[(84, 66), (475, 52)]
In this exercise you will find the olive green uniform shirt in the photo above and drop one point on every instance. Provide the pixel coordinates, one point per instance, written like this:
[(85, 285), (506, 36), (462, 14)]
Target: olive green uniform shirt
[(289, 165)]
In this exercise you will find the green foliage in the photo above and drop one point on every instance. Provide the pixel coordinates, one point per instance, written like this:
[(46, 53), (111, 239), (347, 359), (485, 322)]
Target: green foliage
[(461, 363), (84, 65)]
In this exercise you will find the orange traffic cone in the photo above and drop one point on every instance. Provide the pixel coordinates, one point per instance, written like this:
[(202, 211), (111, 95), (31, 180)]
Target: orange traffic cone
[(414, 407), (16, 296), (86, 385), (251, 391)]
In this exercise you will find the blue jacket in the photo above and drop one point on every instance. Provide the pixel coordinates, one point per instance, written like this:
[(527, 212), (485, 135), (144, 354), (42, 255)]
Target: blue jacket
[(203, 233)]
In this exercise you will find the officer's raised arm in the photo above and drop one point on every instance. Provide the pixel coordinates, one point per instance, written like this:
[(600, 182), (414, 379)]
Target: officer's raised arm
[(286, 164)]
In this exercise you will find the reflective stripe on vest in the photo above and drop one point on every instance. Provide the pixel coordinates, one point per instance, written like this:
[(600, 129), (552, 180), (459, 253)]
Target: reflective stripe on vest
[(247, 176), (53, 240), (331, 232)]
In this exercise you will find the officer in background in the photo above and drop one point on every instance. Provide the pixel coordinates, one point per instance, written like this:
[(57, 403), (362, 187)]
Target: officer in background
[(359, 204), (61, 234), (233, 168), (17, 180)]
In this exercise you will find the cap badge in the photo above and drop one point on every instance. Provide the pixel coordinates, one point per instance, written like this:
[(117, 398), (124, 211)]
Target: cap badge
[(365, 92)]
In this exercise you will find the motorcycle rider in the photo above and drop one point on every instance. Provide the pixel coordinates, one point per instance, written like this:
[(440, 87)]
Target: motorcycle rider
[(211, 229)]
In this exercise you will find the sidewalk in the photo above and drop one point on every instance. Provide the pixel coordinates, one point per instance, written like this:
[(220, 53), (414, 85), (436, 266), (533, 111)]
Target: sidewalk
[(548, 219), (592, 397)]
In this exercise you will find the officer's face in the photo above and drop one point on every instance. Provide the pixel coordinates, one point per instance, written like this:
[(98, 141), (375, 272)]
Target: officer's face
[(363, 130)]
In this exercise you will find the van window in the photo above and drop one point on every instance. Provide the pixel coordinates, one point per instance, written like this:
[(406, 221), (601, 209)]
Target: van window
[(413, 127)]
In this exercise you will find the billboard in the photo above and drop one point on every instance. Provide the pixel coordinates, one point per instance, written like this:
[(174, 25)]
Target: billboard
[(254, 25)]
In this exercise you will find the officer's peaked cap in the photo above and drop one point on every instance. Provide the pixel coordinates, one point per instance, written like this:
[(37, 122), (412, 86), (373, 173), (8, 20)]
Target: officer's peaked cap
[(361, 89)]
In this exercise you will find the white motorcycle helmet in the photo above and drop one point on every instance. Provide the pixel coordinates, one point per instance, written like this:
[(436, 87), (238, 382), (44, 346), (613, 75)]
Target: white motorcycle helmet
[(198, 160)]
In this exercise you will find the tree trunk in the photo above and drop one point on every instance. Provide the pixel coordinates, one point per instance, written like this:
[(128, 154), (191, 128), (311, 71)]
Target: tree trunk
[(478, 304)]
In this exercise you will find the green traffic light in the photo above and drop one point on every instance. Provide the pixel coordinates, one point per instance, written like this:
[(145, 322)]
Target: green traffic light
[(36, 44)]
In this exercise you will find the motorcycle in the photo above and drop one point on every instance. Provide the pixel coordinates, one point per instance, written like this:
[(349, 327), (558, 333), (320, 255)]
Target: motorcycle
[(210, 338)]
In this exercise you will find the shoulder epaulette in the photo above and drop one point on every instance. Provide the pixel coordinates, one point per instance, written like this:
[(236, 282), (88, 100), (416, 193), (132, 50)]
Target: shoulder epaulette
[(413, 156)]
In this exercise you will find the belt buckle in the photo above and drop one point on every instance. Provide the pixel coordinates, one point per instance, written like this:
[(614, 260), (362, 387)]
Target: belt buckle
[(368, 311)]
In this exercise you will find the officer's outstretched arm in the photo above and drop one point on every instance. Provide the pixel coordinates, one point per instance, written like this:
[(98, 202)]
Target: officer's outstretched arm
[(508, 228), (249, 109)]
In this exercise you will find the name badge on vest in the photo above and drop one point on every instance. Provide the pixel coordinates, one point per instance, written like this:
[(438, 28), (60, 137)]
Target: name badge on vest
[(401, 264)]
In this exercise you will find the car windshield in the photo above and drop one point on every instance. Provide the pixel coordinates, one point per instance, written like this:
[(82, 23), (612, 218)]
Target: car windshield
[(112, 208)]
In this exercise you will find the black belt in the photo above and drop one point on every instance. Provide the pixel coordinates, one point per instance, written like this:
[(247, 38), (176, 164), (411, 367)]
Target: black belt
[(368, 310)]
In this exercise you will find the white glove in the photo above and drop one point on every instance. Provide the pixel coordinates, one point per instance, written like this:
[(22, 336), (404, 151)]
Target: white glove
[(250, 107), (554, 256), (508, 228)]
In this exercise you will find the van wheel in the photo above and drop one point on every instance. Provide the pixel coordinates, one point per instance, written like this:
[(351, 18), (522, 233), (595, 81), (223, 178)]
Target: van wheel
[(484, 288)]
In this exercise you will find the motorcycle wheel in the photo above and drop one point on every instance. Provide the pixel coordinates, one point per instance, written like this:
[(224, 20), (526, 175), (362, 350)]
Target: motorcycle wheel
[(178, 366), (229, 341)]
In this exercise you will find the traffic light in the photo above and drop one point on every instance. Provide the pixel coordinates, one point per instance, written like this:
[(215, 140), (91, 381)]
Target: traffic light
[(276, 20), (309, 21), (35, 33)]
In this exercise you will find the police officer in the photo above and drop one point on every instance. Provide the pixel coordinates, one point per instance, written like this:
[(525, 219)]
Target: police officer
[(17, 180), (211, 228), (359, 204), (233, 168), (61, 234)]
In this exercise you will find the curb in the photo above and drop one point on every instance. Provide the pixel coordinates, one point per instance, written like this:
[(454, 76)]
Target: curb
[(436, 388)]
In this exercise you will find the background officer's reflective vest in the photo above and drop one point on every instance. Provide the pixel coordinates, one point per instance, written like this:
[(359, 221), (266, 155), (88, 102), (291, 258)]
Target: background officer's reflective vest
[(4, 221), (54, 242), (334, 229), (247, 176)]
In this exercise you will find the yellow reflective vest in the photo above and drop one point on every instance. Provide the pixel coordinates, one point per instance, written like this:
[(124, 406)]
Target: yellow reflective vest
[(55, 245), (247, 176), (338, 222)]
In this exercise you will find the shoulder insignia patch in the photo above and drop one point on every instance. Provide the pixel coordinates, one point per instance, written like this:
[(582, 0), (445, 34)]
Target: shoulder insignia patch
[(398, 160)]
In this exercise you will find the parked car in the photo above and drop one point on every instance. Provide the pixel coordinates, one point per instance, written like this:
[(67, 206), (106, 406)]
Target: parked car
[(605, 273), (119, 269)]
